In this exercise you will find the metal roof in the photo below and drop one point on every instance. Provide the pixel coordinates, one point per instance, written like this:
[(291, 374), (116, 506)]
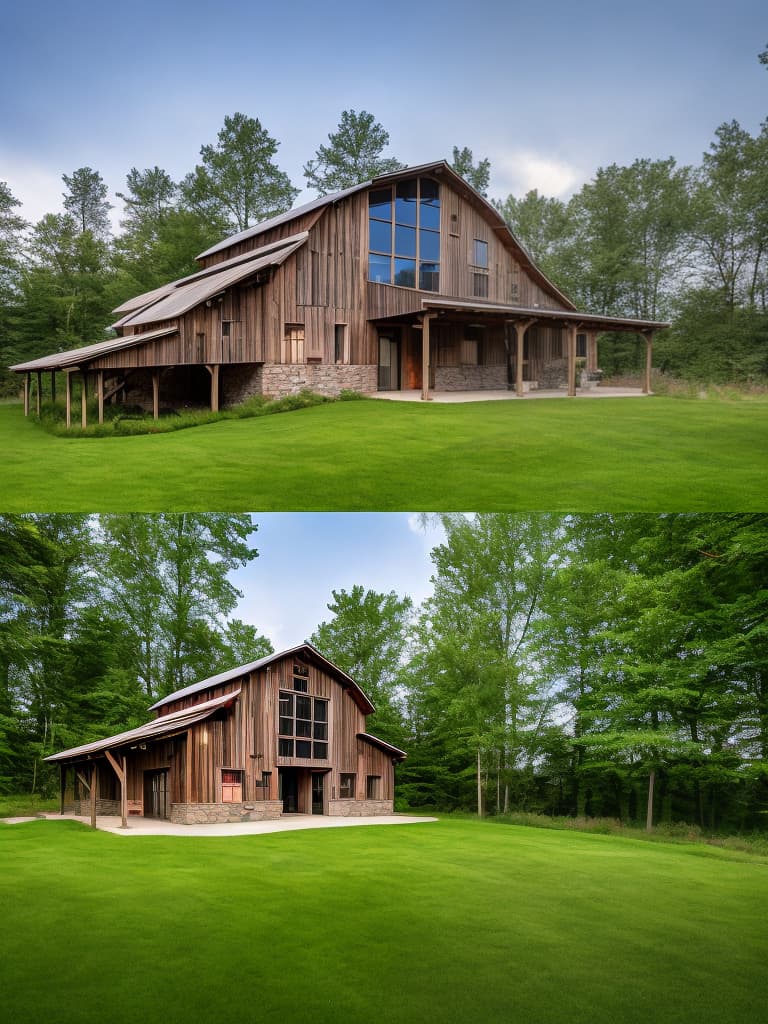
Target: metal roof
[(72, 358), (363, 701), (396, 752), (473, 306), (156, 729), (200, 287)]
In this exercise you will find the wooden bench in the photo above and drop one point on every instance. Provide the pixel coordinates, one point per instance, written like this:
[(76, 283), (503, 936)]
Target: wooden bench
[(136, 807)]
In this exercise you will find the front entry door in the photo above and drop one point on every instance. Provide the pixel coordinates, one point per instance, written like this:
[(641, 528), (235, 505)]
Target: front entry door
[(156, 794), (289, 790), (317, 793), (389, 363)]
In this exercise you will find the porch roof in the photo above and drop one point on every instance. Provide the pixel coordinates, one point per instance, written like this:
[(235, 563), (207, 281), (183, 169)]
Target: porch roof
[(590, 321), (71, 360), (165, 726), (396, 752)]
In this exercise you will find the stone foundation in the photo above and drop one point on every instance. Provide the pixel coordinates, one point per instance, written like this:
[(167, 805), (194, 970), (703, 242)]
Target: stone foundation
[(359, 808), (213, 814), (239, 383), (471, 378), (83, 807), (324, 378)]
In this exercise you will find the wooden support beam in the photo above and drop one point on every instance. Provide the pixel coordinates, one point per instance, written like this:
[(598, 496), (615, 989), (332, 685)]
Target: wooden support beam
[(39, 393), (188, 768), (571, 330), (214, 372), (83, 780), (591, 351), (648, 361), (120, 773), (94, 783), (521, 326), (53, 386), (100, 393), (27, 384), (156, 394), (425, 395), (84, 401), (62, 786), (68, 397)]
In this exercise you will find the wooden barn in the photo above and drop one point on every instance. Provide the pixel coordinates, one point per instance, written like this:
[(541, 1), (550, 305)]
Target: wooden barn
[(411, 281), (283, 735)]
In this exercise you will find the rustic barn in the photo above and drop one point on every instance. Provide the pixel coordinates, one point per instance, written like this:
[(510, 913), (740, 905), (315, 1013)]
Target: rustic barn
[(409, 281), (283, 735)]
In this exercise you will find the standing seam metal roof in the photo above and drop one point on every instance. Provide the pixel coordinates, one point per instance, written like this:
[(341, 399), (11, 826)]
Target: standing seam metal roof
[(70, 359)]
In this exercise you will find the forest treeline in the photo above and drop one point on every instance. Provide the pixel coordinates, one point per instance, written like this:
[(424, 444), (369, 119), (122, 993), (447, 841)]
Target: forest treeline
[(652, 240), (577, 665)]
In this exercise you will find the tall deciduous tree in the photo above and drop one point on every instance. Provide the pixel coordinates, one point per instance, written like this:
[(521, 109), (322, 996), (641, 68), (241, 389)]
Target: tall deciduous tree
[(478, 175), (354, 154), (237, 179)]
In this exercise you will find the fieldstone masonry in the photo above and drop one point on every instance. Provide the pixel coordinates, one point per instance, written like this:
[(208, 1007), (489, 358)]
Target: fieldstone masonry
[(243, 381), (212, 814), (471, 378), (359, 808)]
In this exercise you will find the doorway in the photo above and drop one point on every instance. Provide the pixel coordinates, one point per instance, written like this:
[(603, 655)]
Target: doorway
[(317, 793), (389, 362), (288, 789), (156, 794)]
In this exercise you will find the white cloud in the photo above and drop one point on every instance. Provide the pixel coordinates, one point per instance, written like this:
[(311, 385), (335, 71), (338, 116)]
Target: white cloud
[(520, 171), (37, 188)]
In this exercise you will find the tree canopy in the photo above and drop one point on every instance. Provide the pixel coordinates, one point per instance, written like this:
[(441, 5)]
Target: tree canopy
[(354, 154)]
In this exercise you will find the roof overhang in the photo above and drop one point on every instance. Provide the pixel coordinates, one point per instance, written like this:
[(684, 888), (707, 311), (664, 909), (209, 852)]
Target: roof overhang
[(394, 752), (77, 357), (157, 729)]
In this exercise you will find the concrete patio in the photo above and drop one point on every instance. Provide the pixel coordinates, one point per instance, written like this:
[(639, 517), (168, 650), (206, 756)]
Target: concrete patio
[(504, 396), (139, 826)]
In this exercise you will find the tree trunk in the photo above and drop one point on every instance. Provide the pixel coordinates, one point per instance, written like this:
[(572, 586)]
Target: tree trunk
[(649, 815), (479, 787)]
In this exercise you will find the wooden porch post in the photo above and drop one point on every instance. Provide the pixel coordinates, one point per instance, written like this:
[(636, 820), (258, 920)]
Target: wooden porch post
[(84, 401), (214, 370), (27, 384), (53, 385), (592, 351), (100, 393), (68, 397), (425, 395), (156, 394), (571, 329), (121, 776), (521, 326), (648, 360), (62, 786), (38, 393), (93, 794)]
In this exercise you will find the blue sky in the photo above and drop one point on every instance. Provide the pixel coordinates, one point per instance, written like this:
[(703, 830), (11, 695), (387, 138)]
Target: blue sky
[(548, 91), (303, 556)]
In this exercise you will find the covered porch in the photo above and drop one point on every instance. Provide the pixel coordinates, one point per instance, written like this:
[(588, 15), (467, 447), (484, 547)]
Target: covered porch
[(453, 346)]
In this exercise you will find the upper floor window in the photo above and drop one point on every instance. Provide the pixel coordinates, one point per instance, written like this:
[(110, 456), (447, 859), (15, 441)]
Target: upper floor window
[(303, 726), (293, 343), (480, 268), (404, 234)]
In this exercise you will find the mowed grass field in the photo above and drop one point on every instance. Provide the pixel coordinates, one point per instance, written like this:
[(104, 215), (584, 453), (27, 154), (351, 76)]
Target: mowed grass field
[(582, 455), (446, 921)]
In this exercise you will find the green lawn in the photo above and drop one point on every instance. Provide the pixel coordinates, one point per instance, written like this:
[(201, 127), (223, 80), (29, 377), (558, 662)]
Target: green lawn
[(601, 455), (449, 921)]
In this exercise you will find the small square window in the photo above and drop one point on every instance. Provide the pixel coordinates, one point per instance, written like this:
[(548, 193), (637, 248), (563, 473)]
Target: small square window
[(372, 787), (321, 750), (303, 748), (480, 285), (347, 786)]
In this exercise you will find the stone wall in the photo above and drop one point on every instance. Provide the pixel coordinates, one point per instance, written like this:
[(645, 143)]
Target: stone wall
[(207, 814), (103, 806), (324, 378), (471, 378), (239, 383), (359, 808)]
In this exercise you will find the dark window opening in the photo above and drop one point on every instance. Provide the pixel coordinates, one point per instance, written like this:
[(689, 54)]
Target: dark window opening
[(347, 786)]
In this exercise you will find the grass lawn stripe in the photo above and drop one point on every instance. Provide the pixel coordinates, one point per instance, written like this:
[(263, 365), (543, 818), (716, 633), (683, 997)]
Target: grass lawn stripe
[(453, 921)]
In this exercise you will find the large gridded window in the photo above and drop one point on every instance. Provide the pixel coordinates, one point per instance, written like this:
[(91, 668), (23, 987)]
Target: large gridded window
[(303, 726), (404, 234)]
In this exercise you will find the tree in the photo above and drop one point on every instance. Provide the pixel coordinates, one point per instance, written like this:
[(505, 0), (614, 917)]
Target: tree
[(12, 227), (354, 154), (86, 200), (367, 637), (237, 179), (478, 175), (543, 226), (150, 195)]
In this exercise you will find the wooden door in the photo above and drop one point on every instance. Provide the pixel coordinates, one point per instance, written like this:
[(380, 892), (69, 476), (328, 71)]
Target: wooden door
[(389, 363), (317, 793), (156, 803)]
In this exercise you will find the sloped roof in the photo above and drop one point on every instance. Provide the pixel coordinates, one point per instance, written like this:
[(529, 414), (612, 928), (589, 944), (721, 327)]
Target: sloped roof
[(395, 752), (363, 702), (439, 169), (156, 729), (72, 358), (191, 291), (588, 320)]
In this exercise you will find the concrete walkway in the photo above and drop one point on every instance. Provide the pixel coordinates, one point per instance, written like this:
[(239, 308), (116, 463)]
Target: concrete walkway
[(288, 823), (506, 396)]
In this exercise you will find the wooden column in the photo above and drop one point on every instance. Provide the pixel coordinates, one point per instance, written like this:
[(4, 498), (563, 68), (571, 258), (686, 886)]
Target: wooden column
[(188, 768), (39, 393), (27, 382), (521, 326), (648, 360), (100, 393), (122, 779), (68, 397), (53, 385), (214, 372), (93, 794), (591, 351), (84, 402), (425, 395), (156, 394), (571, 330), (62, 786)]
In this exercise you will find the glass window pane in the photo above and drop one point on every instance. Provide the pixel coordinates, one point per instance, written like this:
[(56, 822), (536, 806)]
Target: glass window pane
[(380, 203), (303, 728), (405, 241), (405, 273), (286, 704), (481, 253), (321, 710), (405, 202), (300, 684), (429, 245), (285, 748), (286, 726), (429, 190), (480, 285), (379, 269), (321, 731), (380, 236), (303, 707), (321, 750), (429, 277), (303, 748)]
